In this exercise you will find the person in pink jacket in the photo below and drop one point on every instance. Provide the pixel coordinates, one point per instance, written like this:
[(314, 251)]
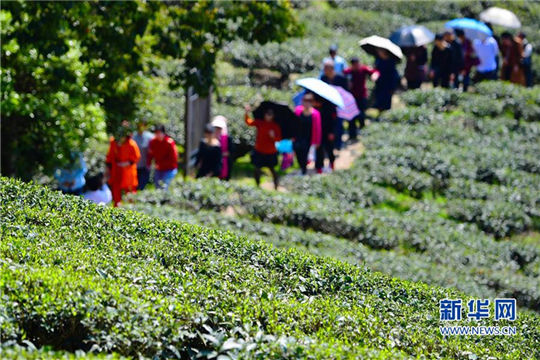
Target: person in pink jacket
[(309, 132)]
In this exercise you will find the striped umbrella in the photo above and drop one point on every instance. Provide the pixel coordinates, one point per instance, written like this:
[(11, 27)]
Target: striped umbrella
[(350, 110)]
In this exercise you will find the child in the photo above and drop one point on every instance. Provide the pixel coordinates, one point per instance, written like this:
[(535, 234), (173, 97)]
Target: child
[(265, 152)]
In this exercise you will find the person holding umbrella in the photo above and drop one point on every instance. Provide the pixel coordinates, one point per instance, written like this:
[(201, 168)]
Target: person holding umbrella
[(332, 78), (415, 70), (328, 114), (469, 59), (265, 153), (309, 133), (413, 40), (388, 80)]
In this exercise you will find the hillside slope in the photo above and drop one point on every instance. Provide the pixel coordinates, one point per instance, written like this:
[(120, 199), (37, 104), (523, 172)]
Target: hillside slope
[(78, 276)]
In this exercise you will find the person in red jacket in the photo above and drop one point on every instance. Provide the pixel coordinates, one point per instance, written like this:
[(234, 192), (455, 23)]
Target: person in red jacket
[(357, 85), (162, 149), (265, 153)]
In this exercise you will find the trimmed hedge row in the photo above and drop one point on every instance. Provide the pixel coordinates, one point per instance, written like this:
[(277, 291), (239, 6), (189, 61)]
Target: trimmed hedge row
[(79, 276), (470, 276), (422, 231)]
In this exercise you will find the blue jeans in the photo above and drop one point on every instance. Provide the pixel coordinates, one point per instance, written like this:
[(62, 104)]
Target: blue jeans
[(164, 176)]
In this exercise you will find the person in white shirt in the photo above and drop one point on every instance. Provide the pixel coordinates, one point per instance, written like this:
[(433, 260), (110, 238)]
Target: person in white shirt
[(487, 51), (97, 191), (340, 64), (527, 59)]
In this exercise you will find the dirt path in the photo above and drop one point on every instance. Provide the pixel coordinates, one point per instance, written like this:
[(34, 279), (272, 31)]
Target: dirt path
[(344, 160)]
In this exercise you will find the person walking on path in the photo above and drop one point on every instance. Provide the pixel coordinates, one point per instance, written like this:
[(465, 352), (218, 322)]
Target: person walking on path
[(388, 80), (142, 137), (265, 153), (162, 149), (526, 61), (219, 123), (71, 179), (415, 69), (358, 74), (310, 130), (441, 63), (339, 62), (121, 162), (332, 78), (457, 62), (512, 57), (469, 59), (326, 148), (487, 52), (209, 159)]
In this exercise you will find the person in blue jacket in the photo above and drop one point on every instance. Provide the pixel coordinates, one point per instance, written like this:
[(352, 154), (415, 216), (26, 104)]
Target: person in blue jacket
[(71, 178)]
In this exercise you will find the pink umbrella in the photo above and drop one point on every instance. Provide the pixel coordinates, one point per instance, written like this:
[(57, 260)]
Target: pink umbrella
[(350, 110)]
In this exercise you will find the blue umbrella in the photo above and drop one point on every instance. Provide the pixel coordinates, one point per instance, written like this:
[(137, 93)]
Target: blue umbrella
[(473, 29), (412, 36), (297, 99)]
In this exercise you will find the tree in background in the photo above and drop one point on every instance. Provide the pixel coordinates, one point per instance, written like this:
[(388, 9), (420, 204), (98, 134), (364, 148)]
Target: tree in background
[(47, 108), (70, 68)]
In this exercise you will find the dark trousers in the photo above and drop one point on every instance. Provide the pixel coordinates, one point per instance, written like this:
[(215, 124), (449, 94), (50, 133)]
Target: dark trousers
[(301, 148), (441, 79), (466, 81), (361, 103), (527, 68), (414, 84), (338, 131), (78, 191), (143, 176), (326, 147), (488, 75)]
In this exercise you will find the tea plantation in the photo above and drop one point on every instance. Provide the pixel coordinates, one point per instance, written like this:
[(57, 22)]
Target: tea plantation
[(82, 278)]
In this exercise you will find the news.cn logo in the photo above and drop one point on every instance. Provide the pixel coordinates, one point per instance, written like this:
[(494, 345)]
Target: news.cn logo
[(477, 309)]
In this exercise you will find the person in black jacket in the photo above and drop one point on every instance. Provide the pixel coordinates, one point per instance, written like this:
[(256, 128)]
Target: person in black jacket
[(209, 154), (441, 63), (457, 57), (328, 119), (332, 78)]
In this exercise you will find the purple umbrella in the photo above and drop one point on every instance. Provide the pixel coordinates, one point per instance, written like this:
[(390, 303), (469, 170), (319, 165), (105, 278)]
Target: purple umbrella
[(350, 110)]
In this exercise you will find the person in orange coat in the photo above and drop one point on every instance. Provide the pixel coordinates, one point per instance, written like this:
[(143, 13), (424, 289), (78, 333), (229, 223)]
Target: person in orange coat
[(121, 161)]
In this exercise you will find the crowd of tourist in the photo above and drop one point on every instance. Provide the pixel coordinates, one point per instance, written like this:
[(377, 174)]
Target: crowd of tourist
[(455, 61)]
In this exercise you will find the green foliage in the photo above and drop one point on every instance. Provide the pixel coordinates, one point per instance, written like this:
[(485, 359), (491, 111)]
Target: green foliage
[(47, 108), (196, 31), (163, 289), (69, 66)]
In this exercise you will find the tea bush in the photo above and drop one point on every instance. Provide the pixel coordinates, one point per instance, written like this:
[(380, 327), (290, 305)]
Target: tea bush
[(76, 276)]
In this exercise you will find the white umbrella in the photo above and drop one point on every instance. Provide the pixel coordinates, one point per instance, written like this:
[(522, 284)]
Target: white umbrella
[(374, 42), (502, 17), (322, 89)]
